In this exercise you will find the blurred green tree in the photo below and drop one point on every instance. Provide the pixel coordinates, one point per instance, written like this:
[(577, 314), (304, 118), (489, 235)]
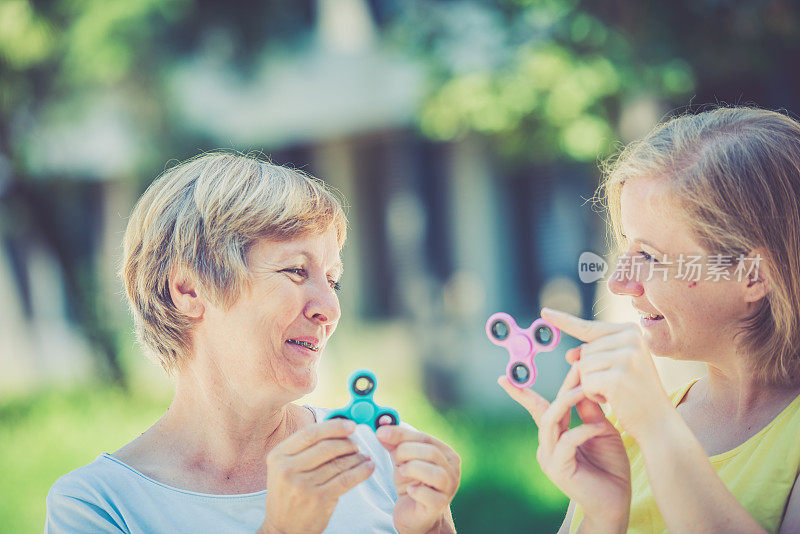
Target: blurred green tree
[(52, 53), (57, 59), (544, 79), (550, 80)]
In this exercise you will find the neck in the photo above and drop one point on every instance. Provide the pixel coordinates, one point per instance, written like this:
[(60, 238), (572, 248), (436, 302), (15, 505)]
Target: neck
[(733, 390), (221, 427)]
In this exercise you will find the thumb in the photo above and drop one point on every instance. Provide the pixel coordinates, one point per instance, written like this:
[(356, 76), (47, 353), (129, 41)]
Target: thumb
[(590, 412)]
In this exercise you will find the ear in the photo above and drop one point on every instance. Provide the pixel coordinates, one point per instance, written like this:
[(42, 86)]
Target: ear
[(183, 289), (754, 271)]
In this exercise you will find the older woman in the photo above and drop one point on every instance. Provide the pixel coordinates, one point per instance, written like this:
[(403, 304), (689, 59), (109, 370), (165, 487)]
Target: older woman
[(231, 266)]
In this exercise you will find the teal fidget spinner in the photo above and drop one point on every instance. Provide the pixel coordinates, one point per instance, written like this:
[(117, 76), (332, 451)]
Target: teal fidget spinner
[(362, 409)]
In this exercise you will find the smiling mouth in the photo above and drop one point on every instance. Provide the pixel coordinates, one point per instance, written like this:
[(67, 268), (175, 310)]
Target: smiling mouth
[(650, 316), (305, 344)]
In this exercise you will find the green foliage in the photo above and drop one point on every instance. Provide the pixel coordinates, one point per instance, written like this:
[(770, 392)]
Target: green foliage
[(47, 435), (548, 86), (25, 38), (104, 37)]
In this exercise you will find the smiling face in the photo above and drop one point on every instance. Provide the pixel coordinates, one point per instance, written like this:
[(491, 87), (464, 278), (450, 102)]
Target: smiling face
[(273, 336), (690, 319)]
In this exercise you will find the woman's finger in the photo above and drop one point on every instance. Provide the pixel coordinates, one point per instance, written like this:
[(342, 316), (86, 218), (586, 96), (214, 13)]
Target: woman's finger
[(393, 435), (550, 429), (571, 380), (573, 355), (527, 398), (580, 328), (308, 436), (348, 479), (429, 474), (599, 384), (590, 412), (412, 450), (427, 496), (322, 452), (401, 482), (567, 446), (629, 335), (599, 361), (327, 471)]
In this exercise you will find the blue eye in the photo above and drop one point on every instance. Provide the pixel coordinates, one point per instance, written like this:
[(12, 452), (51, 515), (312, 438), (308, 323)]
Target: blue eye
[(298, 271), (647, 257)]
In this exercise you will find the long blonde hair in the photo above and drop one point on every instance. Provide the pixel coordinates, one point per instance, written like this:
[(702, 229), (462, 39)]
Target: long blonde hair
[(736, 173)]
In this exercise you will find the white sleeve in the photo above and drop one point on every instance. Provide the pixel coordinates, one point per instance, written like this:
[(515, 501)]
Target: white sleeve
[(72, 515)]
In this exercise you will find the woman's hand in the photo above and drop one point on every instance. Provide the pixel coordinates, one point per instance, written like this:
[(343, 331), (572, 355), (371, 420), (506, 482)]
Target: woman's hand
[(615, 366), (308, 472), (588, 463), (426, 475)]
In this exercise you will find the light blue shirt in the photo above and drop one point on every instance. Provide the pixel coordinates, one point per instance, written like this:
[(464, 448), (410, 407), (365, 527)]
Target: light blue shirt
[(110, 496)]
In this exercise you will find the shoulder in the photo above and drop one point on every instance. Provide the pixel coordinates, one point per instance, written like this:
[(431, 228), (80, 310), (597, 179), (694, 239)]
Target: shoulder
[(84, 481), (80, 500)]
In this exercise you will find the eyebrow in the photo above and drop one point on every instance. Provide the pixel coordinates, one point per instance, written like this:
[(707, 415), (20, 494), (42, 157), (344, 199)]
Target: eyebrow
[(645, 242)]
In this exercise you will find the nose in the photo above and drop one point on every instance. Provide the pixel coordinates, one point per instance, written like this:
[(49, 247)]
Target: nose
[(624, 279), (323, 304)]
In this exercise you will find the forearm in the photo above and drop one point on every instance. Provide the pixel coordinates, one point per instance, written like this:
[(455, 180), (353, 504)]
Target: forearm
[(587, 526), (594, 525), (688, 492)]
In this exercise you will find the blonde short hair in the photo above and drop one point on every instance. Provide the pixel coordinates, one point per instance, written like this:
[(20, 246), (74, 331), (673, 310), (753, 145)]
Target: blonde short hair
[(204, 215), (736, 173)]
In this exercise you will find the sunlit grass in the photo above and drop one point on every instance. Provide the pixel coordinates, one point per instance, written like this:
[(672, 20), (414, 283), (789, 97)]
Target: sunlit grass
[(47, 435)]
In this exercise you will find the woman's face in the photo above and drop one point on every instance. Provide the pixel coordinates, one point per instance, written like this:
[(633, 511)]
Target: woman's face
[(274, 334), (683, 316)]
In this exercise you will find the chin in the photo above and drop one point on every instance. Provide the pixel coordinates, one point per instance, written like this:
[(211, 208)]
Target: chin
[(301, 381), (669, 350), (660, 348)]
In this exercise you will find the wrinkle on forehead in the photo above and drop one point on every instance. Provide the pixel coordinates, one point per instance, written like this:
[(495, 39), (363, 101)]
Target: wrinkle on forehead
[(318, 249)]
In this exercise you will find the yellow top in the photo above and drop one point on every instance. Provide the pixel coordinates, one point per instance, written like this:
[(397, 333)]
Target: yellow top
[(760, 473)]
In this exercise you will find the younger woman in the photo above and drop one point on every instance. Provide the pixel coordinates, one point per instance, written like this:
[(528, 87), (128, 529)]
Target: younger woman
[(707, 211)]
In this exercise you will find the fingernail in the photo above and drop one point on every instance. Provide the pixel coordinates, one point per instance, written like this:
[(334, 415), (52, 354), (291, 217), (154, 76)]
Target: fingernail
[(383, 432), (349, 425)]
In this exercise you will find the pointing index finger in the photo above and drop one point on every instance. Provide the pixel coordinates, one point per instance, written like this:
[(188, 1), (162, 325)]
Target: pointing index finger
[(580, 328)]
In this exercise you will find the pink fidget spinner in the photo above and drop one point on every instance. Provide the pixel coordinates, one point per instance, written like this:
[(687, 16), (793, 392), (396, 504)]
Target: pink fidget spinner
[(522, 345)]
